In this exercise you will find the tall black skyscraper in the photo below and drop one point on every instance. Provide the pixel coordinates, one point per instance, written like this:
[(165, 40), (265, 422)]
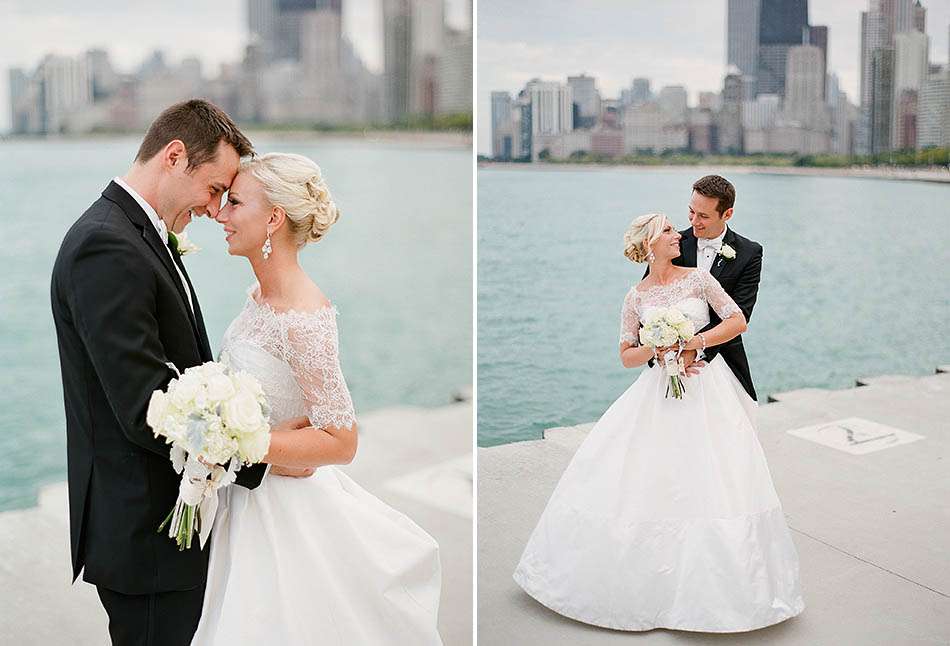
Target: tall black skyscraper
[(781, 25)]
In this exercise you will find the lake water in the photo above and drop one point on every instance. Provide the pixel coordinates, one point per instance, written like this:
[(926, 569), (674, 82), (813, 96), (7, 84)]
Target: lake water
[(397, 265), (855, 283)]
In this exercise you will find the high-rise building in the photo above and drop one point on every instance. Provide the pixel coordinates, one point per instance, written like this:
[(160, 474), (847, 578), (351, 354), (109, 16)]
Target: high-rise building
[(673, 101), (502, 133), (428, 43), (920, 18), (552, 110), (397, 54), (817, 35), (729, 125), (104, 78), (262, 25), (910, 50), (933, 111), (454, 74), (882, 99), (742, 35), (65, 86), (638, 92), (288, 24), (782, 24), (804, 87), (586, 100), (879, 24)]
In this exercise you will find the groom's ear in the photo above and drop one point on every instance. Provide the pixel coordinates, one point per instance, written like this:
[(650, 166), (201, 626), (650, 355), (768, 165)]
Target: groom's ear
[(727, 214)]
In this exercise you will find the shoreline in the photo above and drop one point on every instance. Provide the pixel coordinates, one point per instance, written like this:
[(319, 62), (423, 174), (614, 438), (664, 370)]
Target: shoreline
[(939, 176)]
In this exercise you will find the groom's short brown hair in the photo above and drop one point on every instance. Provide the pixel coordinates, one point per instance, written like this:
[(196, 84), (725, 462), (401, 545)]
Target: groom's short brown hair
[(718, 187), (200, 125)]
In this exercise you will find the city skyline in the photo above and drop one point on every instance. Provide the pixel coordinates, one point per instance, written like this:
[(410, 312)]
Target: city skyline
[(130, 35), (518, 44)]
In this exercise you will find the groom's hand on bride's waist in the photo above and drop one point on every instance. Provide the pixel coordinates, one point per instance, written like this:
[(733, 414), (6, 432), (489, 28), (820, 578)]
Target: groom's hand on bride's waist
[(692, 365)]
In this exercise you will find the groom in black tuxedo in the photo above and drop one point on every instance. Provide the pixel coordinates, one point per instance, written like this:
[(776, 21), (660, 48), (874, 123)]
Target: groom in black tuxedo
[(124, 308), (735, 261)]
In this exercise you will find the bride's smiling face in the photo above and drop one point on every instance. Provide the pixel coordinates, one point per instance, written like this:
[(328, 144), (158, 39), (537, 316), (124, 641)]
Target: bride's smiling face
[(245, 216), (667, 246)]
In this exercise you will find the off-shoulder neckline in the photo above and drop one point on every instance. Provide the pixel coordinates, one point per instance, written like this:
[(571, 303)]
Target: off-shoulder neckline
[(696, 271), (323, 309)]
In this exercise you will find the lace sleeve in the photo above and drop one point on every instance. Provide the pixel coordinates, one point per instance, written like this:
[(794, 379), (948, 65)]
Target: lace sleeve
[(716, 296), (312, 350), (630, 320)]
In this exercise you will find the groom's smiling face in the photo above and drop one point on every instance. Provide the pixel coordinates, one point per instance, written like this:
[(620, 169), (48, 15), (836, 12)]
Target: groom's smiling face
[(705, 218), (199, 189)]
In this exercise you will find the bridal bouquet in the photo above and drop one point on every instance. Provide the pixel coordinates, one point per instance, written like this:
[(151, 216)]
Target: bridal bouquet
[(211, 416), (663, 328)]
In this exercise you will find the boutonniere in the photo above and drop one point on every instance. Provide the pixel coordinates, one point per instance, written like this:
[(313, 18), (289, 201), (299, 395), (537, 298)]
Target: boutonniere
[(182, 244), (727, 252)]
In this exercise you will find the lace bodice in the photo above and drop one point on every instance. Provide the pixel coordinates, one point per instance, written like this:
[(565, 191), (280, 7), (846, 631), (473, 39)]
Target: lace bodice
[(693, 295), (295, 356)]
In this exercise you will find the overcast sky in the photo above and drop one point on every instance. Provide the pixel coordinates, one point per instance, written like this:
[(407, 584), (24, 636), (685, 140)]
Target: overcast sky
[(215, 31), (671, 42)]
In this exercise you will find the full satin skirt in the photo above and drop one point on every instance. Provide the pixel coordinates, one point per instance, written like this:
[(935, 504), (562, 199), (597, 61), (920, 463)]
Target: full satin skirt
[(318, 560), (667, 517)]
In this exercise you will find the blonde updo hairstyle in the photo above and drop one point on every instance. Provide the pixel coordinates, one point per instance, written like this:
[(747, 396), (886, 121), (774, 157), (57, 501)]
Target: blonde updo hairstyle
[(295, 183), (642, 232)]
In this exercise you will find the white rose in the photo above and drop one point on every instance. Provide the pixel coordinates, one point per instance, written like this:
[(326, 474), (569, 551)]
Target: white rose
[(218, 446), (674, 317), (242, 413), (245, 383), (668, 337), (686, 329), (182, 393), (253, 446), (727, 252), (157, 409), (220, 387)]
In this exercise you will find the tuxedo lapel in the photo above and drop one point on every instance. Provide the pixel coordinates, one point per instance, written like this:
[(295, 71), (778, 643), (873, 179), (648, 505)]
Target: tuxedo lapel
[(137, 216), (197, 318), (719, 262), (688, 248)]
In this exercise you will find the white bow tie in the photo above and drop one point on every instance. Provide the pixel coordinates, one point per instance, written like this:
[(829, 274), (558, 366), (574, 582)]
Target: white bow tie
[(704, 243)]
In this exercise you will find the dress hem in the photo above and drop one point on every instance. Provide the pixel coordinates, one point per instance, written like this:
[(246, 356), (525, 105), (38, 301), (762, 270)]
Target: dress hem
[(522, 581)]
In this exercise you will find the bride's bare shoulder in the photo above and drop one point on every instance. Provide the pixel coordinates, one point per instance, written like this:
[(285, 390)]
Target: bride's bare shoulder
[(308, 297)]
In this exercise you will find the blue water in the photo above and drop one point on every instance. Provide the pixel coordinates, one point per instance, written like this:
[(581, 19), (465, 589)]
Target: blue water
[(397, 265), (854, 283)]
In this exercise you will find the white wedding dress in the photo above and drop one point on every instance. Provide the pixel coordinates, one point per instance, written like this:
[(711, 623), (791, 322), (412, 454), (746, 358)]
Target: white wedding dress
[(666, 516), (313, 560)]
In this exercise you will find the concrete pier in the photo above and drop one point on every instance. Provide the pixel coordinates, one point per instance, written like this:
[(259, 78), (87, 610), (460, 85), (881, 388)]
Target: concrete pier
[(865, 487), (417, 460)]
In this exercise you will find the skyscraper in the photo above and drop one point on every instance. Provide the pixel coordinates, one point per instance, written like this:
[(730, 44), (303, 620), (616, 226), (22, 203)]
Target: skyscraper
[(781, 25), (742, 35), (586, 100), (397, 52), (933, 121), (882, 99), (804, 87), (730, 114), (262, 24), (910, 63), (817, 35), (502, 136), (552, 110)]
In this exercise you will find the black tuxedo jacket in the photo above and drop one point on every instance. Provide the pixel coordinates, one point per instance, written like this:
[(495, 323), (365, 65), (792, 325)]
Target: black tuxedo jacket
[(739, 277), (121, 313)]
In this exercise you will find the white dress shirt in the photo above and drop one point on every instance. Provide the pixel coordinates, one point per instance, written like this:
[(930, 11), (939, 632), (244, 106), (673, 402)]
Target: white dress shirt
[(162, 231), (708, 249)]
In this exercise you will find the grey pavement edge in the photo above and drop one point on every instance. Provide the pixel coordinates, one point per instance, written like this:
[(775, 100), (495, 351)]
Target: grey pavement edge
[(872, 531), (40, 608)]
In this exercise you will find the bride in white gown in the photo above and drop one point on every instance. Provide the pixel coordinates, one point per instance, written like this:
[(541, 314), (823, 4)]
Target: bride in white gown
[(666, 516), (305, 560)]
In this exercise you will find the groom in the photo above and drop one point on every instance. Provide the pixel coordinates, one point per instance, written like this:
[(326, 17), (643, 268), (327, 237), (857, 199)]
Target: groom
[(124, 308), (735, 261)]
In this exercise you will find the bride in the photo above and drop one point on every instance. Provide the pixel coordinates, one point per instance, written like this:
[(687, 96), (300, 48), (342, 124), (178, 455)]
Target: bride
[(303, 560), (666, 517)]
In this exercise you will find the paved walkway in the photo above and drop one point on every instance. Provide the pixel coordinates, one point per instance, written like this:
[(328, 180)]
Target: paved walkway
[(872, 530), (417, 460)]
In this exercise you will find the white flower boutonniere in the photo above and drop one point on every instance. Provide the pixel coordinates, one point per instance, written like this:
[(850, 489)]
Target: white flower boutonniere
[(181, 242), (727, 252)]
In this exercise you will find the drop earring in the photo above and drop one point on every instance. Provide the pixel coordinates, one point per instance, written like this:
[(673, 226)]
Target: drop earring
[(267, 249), (650, 257)]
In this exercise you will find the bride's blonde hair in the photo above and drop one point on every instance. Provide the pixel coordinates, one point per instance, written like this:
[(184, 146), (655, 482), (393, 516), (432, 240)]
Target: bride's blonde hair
[(642, 232), (295, 183)]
